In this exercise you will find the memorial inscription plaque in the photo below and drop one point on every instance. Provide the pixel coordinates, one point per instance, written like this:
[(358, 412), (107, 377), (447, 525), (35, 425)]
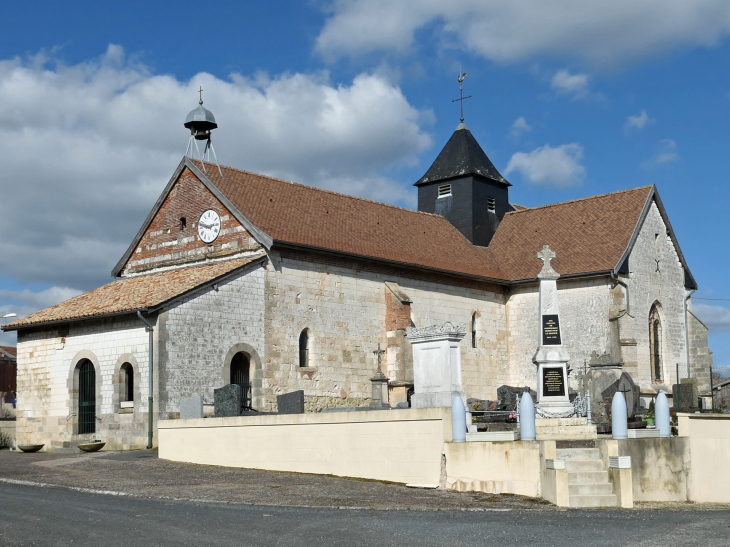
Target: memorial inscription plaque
[(550, 330), (553, 382)]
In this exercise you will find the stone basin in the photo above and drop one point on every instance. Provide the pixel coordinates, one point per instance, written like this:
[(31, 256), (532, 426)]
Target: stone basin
[(30, 447), (91, 447)]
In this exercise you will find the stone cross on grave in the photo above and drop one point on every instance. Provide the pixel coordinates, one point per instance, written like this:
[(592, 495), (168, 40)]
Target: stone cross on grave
[(546, 255), (379, 352)]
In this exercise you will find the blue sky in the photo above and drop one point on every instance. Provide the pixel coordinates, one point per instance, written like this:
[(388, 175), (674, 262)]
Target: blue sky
[(570, 99)]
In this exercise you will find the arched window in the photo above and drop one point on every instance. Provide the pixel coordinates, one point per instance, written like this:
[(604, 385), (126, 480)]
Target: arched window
[(474, 329), (655, 344), (304, 348), (126, 383), (87, 397)]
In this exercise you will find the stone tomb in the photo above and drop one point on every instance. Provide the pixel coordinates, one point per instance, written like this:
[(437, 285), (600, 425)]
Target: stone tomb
[(228, 401), (436, 364), (191, 408), (291, 403)]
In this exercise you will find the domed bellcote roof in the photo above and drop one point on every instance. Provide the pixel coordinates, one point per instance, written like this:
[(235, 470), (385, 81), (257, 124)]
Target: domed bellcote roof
[(200, 119), (461, 156)]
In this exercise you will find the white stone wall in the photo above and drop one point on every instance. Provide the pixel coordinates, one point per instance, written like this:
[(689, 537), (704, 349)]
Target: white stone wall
[(647, 286), (584, 307), (46, 362), (196, 334), (344, 309)]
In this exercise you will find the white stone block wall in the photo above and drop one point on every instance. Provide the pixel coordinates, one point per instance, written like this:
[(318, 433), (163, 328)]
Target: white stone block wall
[(646, 287), (344, 309), (46, 362), (197, 333)]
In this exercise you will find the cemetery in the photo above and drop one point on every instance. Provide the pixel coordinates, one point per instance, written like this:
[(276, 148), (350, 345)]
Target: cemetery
[(594, 449)]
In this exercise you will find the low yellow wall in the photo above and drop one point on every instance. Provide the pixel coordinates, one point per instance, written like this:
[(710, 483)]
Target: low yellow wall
[(494, 467), (709, 446), (402, 446)]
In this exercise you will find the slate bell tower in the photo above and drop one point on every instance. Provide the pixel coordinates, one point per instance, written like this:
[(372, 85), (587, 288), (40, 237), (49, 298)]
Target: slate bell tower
[(463, 186)]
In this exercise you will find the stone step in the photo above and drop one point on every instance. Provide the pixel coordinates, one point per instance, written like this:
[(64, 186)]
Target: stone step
[(578, 466), (587, 477), (578, 454), (601, 489), (552, 422), (560, 433), (583, 501)]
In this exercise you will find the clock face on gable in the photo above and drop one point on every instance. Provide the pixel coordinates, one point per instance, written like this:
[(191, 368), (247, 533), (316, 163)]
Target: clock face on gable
[(209, 226)]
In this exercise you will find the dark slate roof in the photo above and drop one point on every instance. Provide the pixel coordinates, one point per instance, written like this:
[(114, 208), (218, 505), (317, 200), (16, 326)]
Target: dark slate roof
[(462, 155)]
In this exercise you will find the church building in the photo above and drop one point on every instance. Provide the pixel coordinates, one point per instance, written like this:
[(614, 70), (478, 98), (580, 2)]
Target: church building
[(278, 286)]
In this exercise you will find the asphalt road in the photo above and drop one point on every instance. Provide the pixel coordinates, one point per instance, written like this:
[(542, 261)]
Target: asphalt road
[(58, 517)]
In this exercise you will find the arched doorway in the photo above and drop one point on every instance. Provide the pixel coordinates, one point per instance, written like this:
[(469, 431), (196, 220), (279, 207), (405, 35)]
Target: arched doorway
[(240, 365), (87, 397)]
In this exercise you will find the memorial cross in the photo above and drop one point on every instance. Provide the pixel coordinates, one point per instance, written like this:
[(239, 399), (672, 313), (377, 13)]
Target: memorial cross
[(379, 352), (546, 255)]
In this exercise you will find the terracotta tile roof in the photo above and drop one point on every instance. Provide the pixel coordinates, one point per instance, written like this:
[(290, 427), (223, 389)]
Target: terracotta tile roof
[(133, 293), (588, 235), (10, 349), (304, 215)]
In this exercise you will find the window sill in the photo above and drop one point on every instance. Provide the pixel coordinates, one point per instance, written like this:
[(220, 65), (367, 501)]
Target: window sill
[(126, 411)]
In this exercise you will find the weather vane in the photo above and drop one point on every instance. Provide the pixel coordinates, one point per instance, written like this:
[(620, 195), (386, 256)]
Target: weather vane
[(201, 95), (461, 98)]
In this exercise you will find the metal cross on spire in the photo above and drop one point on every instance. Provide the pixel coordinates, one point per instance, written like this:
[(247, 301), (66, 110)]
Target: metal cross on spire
[(379, 352), (461, 98), (201, 95)]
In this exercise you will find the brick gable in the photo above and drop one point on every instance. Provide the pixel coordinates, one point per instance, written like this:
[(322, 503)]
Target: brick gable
[(167, 243)]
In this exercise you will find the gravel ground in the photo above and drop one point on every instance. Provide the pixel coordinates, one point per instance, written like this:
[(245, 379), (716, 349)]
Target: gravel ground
[(141, 474)]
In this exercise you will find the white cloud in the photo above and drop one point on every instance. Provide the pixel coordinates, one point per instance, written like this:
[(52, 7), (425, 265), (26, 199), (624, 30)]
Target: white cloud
[(559, 166), (25, 302), (639, 121), (717, 318), (665, 152), (88, 148), (565, 83), (601, 33), (519, 127)]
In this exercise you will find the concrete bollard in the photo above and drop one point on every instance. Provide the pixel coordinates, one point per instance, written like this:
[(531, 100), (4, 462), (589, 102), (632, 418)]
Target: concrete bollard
[(619, 417), (458, 420), (661, 416), (527, 418)]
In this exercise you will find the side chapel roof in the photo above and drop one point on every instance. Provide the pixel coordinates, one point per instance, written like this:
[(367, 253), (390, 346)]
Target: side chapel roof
[(144, 292), (9, 350)]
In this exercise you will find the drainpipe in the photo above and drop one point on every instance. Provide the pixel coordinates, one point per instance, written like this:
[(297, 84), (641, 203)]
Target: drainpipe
[(686, 332), (149, 329), (615, 278)]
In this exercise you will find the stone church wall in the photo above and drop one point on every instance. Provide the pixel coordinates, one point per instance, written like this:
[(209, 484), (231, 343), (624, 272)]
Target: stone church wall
[(700, 355), (47, 408), (584, 309), (342, 303), (200, 334), (648, 286)]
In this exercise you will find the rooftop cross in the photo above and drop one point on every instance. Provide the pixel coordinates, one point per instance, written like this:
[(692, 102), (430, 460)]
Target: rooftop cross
[(379, 352), (201, 95), (546, 255), (461, 98)]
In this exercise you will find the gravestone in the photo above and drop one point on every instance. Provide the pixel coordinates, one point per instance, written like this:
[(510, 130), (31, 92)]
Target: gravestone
[(508, 396), (191, 408), (291, 403), (685, 395), (626, 385), (228, 401), (604, 371)]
